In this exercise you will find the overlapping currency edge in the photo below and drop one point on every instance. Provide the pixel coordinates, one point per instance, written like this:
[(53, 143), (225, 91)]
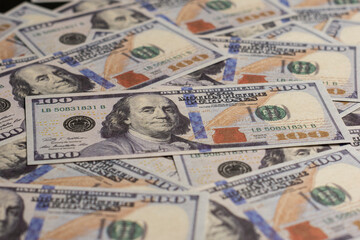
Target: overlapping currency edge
[(203, 119)]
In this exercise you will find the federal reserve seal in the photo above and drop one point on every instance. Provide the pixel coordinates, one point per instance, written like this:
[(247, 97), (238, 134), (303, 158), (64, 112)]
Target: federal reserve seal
[(72, 38), (79, 124), (125, 230), (4, 105), (233, 168)]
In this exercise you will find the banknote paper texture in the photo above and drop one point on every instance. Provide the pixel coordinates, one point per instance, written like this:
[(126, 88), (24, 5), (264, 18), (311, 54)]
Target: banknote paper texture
[(209, 17), (344, 106), (12, 47), (345, 31), (77, 6), (273, 61), (144, 54), (30, 13), (205, 168), (68, 32), (8, 24), (308, 199), (295, 32), (317, 3), (80, 127), (56, 212), (44, 76), (105, 174), (253, 29), (317, 17)]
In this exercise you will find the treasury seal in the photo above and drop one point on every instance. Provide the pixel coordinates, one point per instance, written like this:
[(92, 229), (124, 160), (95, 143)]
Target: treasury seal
[(79, 124), (4, 105), (233, 168), (72, 38), (126, 230)]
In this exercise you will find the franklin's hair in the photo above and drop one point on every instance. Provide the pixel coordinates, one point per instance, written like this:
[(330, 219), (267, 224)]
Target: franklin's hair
[(98, 22), (21, 88), (114, 124), (276, 155), (22, 225), (77, 8)]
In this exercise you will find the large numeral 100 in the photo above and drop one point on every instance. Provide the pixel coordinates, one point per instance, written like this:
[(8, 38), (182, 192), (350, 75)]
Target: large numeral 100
[(186, 63), (302, 135), (61, 155)]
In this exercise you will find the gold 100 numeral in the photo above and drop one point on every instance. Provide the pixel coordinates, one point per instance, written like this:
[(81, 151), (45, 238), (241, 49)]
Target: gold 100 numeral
[(186, 63), (302, 135)]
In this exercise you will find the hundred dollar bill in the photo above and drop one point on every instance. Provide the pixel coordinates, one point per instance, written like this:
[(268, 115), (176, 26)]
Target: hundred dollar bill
[(68, 32), (252, 29), (343, 106), (48, 75), (77, 6), (30, 13), (144, 54), (139, 172), (209, 17), (313, 198), (57, 212), (317, 3), (345, 31), (205, 168), (275, 61), (177, 121), (107, 174), (295, 32), (8, 25)]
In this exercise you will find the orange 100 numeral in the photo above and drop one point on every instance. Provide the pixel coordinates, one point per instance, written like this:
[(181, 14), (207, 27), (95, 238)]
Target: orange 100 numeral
[(185, 63), (301, 135)]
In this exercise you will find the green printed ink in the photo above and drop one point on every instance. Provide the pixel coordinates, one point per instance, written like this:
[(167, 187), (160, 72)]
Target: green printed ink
[(125, 230), (219, 5), (145, 52), (301, 67), (270, 113), (328, 196)]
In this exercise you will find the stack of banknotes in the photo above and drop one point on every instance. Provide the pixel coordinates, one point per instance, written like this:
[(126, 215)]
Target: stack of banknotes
[(180, 119)]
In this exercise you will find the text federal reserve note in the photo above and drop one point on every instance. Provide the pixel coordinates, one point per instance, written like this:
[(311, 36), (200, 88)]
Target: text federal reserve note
[(306, 199), (57, 212), (176, 121), (273, 61)]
